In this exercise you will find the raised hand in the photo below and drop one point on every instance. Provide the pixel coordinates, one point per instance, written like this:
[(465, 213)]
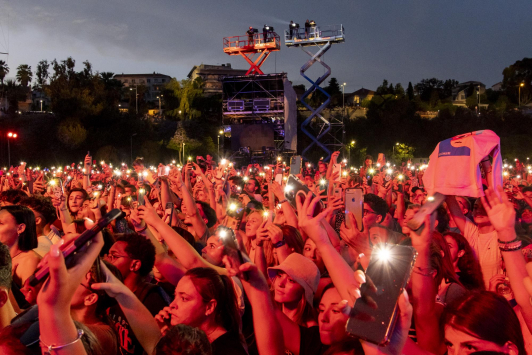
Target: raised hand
[(148, 213), (500, 210)]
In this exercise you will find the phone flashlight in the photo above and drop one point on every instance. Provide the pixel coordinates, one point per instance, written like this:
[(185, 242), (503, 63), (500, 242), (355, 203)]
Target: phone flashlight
[(383, 253), (389, 171), (224, 161), (232, 207), (222, 233)]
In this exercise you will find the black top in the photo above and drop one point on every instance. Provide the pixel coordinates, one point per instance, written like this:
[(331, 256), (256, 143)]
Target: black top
[(229, 343), (310, 342)]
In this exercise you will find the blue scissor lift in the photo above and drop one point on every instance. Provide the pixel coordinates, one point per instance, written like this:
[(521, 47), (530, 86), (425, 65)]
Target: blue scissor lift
[(323, 38)]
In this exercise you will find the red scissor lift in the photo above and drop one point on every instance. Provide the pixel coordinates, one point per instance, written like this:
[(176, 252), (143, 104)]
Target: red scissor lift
[(242, 45)]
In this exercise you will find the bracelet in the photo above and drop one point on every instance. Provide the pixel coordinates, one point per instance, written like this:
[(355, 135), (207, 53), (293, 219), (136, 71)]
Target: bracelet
[(418, 270), (56, 347), (283, 201), (514, 244), (279, 244), (511, 241), (515, 247)]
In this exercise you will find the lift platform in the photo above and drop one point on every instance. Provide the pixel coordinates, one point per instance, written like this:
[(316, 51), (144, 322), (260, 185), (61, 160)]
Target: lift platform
[(328, 135), (255, 50), (315, 35)]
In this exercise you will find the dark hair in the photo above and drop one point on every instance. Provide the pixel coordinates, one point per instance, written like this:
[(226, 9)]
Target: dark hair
[(104, 300), (139, 248), (132, 187), (471, 274), (139, 161), (183, 340), (526, 189), (5, 267), (209, 213), (237, 180), (348, 346), (42, 205), (442, 263), (443, 219), (27, 240), (12, 196), (293, 238), (377, 204), (213, 286), (488, 316)]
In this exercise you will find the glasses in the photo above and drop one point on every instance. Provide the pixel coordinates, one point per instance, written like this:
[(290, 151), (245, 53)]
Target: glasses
[(366, 212), (87, 287), (113, 257)]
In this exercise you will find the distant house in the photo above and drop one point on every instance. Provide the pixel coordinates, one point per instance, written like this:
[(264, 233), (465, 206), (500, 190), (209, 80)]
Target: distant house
[(463, 90), (153, 82), (358, 96), (497, 87), (212, 76)]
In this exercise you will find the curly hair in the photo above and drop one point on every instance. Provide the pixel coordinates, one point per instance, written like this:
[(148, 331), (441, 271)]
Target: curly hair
[(184, 340), (139, 248), (5, 267)]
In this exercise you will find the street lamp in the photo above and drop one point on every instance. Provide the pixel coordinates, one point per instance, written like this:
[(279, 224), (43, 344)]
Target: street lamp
[(159, 97), (520, 85), (136, 100), (343, 99), (41, 105), (393, 150), (131, 156), (10, 136)]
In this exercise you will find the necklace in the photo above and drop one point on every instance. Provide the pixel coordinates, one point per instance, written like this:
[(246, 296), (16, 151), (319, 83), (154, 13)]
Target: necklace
[(20, 252)]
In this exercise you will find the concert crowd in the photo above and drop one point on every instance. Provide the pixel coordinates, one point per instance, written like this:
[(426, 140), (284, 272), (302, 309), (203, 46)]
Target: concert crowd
[(295, 258)]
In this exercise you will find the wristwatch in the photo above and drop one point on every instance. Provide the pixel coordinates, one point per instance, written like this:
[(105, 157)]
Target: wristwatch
[(279, 244)]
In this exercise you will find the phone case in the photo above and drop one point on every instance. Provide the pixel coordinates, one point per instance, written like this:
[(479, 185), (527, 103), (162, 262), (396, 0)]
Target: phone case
[(389, 272), (428, 208), (354, 203)]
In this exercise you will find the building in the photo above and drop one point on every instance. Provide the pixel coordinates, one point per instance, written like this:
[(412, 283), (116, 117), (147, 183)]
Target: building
[(358, 96), (497, 87), (464, 90), (212, 76), (153, 82)]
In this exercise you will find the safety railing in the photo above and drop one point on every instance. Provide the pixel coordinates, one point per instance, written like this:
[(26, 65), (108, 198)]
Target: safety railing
[(333, 32), (258, 40)]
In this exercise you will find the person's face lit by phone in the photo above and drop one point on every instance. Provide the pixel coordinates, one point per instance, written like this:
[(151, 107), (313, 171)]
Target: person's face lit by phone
[(287, 290), (9, 229), (463, 204), (418, 197), (370, 217), (75, 201), (322, 167), (461, 343), (331, 320), (253, 223), (250, 186), (213, 251), (201, 196), (479, 214), (118, 257), (454, 252), (378, 235), (311, 252), (309, 181), (129, 191), (409, 214), (188, 307)]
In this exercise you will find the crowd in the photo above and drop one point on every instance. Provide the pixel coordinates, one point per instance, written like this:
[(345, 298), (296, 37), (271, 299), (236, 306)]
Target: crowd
[(208, 258)]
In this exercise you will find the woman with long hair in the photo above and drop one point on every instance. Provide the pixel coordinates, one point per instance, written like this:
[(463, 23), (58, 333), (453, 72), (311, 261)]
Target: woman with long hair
[(464, 262), (206, 300), (294, 283), (19, 233)]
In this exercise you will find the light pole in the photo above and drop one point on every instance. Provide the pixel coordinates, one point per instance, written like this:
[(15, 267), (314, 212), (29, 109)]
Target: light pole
[(41, 105), (10, 136), (131, 156), (349, 152), (136, 100), (159, 97), (343, 99), (393, 150), (520, 85)]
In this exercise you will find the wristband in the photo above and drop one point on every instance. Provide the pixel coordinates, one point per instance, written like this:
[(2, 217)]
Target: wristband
[(141, 230), (511, 241), (279, 244), (283, 201), (52, 347)]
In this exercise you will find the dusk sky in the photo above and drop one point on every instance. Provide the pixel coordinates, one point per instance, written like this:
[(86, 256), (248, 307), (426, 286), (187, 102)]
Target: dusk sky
[(397, 40)]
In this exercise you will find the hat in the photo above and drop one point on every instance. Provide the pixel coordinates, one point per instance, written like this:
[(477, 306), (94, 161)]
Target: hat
[(302, 270)]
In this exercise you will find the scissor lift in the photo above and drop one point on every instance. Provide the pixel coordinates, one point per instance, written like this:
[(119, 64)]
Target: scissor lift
[(250, 48), (323, 38)]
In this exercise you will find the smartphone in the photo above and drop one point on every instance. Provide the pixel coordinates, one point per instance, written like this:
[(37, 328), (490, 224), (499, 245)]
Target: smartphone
[(337, 193), (375, 312), (295, 165), (69, 251), (337, 168), (169, 211), (279, 179), (235, 213), (354, 203), (433, 202), (293, 187), (140, 197)]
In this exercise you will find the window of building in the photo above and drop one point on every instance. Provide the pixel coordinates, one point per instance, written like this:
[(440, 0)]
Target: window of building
[(163, 80), (148, 80), (133, 81), (126, 80), (142, 81)]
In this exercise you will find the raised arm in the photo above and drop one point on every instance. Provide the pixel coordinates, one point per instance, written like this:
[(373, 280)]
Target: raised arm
[(456, 213)]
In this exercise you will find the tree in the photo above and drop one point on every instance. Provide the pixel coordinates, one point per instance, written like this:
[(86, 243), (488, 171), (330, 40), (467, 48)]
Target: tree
[(4, 70), (71, 133), (516, 74), (399, 90), (410, 91), (24, 74), (14, 94), (383, 89), (448, 87), (425, 87), (41, 74), (402, 152)]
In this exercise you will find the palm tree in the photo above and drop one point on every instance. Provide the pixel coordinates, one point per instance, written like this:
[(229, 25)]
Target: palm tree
[(4, 69), (24, 74)]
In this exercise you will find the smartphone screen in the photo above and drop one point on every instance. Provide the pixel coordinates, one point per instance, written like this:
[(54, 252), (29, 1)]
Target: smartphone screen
[(140, 199), (279, 179), (375, 312), (293, 186), (354, 203), (169, 211), (337, 168)]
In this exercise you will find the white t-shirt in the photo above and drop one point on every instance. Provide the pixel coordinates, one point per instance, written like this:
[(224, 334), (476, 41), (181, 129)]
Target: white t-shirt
[(45, 242), (486, 249)]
